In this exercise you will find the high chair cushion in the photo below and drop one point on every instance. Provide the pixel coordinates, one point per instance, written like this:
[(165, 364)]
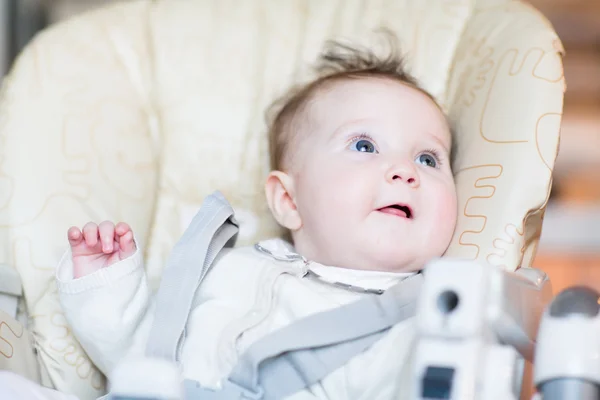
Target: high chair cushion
[(139, 110), (10, 290), (16, 343)]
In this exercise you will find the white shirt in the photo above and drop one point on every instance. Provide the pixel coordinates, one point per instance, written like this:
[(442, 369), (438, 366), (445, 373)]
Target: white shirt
[(246, 295)]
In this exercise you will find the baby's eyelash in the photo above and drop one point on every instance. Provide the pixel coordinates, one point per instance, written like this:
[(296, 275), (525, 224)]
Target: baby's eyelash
[(435, 154), (360, 136)]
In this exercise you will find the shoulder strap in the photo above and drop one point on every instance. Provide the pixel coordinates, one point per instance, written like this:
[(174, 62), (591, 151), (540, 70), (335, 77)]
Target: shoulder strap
[(303, 353), (213, 228)]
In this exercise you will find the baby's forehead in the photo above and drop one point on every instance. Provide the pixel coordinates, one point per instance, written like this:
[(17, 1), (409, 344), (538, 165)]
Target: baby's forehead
[(357, 91), (342, 101)]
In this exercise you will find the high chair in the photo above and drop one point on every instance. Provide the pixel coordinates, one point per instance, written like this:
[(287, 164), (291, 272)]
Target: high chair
[(137, 111)]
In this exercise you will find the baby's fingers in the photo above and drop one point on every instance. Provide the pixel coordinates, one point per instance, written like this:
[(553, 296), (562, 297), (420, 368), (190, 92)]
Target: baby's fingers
[(90, 234), (122, 228), (127, 245), (75, 236), (107, 236)]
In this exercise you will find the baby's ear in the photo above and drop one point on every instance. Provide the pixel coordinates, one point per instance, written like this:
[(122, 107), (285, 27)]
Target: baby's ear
[(279, 190)]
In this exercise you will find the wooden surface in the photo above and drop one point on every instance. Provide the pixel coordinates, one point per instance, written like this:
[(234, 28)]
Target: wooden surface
[(567, 270)]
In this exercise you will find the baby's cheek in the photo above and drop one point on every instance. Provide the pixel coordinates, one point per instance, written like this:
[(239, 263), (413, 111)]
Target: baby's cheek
[(323, 195), (446, 212)]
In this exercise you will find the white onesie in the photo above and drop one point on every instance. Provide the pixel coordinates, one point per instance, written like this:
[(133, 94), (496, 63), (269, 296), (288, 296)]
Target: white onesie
[(246, 295)]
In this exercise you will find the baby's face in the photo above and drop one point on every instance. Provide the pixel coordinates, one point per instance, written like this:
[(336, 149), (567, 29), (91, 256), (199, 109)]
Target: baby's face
[(372, 178)]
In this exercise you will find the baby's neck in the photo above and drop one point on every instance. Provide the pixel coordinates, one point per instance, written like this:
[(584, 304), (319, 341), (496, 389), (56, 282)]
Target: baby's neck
[(330, 261)]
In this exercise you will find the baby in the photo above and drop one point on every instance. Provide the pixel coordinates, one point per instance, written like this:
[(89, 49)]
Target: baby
[(361, 177)]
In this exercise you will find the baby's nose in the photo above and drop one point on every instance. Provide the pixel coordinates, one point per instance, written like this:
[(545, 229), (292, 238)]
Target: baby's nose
[(403, 172)]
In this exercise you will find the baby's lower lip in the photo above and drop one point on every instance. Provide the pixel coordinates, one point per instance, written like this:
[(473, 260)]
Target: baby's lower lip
[(393, 211)]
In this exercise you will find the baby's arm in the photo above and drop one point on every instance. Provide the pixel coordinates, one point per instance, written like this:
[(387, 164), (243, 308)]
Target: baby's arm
[(104, 293)]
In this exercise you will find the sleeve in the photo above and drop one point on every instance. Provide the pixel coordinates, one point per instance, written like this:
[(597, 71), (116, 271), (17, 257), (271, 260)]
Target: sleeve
[(110, 311)]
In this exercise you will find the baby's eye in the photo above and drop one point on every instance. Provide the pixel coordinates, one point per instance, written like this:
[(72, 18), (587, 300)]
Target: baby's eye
[(364, 146), (428, 160)]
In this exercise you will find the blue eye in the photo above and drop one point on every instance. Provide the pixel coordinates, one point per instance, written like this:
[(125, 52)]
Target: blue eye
[(364, 146), (428, 160)]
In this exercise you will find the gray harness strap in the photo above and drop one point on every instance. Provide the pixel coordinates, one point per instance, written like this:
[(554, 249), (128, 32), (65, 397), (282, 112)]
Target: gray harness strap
[(213, 228), (305, 352), (288, 360)]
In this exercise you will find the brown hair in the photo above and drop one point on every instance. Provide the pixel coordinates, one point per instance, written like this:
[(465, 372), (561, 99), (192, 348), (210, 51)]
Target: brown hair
[(337, 62)]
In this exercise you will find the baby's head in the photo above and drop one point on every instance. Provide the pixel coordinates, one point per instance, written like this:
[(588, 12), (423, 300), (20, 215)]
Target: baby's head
[(361, 168)]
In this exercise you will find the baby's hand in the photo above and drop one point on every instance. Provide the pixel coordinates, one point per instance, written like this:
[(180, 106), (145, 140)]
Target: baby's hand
[(99, 246)]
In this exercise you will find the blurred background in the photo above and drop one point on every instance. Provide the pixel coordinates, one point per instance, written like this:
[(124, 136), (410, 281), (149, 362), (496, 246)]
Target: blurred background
[(570, 248)]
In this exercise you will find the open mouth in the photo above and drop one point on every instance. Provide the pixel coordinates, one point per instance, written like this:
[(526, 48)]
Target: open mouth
[(399, 210)]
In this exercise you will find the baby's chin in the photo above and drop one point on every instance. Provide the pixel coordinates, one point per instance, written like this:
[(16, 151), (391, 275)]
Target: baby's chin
[(395, 267), (399, 259)]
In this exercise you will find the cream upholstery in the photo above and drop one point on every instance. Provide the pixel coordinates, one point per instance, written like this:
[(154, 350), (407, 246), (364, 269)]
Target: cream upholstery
[(15, 349), (138, 111)]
